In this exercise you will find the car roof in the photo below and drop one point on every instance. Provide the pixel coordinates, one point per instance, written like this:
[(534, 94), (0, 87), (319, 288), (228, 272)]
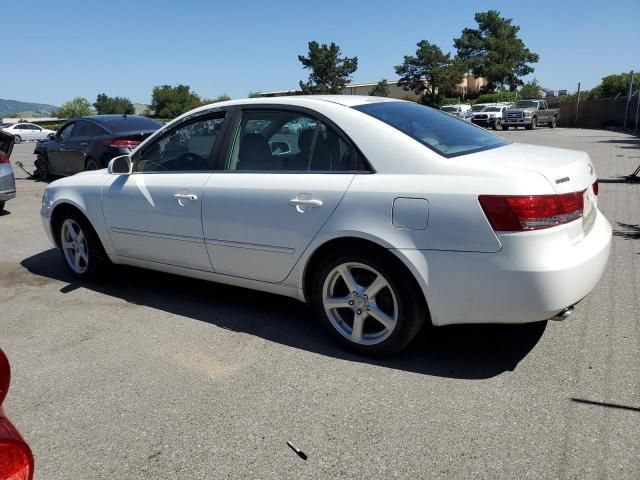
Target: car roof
[(107, 118)]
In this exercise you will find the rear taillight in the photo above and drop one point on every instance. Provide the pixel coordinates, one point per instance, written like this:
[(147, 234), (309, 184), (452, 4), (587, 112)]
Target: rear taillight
[(4, 158), (130, 144), (595, 188), (531, 212), (16, 459)]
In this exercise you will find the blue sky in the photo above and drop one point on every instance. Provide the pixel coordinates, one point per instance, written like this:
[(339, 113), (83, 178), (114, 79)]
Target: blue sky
[(67, 48)]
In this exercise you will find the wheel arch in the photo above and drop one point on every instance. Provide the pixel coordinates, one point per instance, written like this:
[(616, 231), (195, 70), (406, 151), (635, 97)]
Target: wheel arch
[(65, 206), (314, 259)]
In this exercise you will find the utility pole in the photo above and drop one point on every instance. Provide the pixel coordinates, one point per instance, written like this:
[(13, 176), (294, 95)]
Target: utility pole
[(626, 109), (578, 105)]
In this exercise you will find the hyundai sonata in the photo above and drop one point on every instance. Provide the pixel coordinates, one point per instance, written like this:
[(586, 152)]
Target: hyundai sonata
[(384, 215)]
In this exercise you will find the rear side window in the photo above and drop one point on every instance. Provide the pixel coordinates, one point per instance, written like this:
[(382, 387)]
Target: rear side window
[(87, 129), (442, 133)]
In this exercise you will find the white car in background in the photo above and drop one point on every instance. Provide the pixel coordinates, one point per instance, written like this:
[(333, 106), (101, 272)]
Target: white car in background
[(382, 214), (461, 110), (26, 131)]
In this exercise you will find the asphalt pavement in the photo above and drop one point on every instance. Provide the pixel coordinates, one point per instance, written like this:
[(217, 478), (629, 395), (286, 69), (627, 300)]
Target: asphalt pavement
[(145, 375)]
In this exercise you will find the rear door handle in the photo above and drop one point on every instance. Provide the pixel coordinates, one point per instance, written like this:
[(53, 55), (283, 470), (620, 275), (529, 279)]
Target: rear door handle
[(302, 204)]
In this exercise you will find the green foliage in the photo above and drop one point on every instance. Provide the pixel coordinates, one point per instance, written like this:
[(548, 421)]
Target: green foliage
[(450, 101), (119, 105), (614, 85), (257, 94), (78, 107), (329, 71), (494, 51), (501, 96), (170, 102), (221, 98), (381, 89), (530, 90), (431, 73)]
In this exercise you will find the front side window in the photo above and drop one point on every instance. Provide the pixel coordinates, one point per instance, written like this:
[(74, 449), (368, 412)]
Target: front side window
[(271, 141), (187, 148), (65, 133), (442, 133)]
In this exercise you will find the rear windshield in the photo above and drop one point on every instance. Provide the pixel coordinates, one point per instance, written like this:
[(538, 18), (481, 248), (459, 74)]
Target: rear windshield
[(442, 133), (129, 124)]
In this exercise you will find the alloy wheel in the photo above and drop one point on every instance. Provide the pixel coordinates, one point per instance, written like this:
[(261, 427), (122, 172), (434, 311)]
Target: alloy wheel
[(360, 303), (74, 246), (92, 165)]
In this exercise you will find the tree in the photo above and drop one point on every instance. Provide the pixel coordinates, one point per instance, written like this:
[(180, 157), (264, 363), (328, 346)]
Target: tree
[(78, 107), (257, 94), (381, 89), (329, 72), (530, 89), (431, 73), (119, 105), (494, 51), (614, 85), (170, 102), (221, 98)]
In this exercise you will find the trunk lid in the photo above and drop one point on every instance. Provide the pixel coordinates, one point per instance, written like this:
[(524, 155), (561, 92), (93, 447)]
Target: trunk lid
[(566, 170)]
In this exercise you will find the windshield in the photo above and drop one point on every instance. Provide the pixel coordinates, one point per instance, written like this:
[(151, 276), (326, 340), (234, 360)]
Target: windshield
[(442, 133), (527, 104), (477, 108), (449, 109), (491, 109)]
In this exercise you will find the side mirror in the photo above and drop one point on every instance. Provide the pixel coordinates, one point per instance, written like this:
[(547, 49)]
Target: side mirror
[(120, 165), (51, 136)]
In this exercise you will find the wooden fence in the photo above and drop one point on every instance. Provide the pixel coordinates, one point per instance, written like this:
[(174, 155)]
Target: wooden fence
[(604, 112)]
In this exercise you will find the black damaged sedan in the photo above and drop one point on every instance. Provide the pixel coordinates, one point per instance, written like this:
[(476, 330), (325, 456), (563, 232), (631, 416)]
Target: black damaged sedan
[(88, 143)]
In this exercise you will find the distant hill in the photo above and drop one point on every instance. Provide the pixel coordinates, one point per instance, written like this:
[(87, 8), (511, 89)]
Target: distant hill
[(26, 109)]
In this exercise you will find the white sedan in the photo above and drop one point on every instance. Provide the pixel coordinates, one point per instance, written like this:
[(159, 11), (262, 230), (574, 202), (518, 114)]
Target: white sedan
[(384, 215), (26, 131)]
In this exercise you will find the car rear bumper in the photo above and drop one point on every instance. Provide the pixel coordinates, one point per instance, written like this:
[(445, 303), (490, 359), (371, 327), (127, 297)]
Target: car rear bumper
[(7, 183), (514, 285)]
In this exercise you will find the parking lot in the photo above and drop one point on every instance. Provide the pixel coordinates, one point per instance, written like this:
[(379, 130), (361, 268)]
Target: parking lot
[(149, 375)]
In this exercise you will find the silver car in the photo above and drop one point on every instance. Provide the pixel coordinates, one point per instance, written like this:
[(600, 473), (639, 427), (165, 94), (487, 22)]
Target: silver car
[(7, 181)]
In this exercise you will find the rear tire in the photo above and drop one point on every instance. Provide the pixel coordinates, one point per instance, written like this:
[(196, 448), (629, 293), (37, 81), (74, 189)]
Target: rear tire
[(2, 206), (81, 249), (91, 164), (17, 139), (376, 310)]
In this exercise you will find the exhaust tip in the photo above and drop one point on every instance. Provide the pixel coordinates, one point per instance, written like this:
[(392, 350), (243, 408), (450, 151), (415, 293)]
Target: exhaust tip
[(564, 314)]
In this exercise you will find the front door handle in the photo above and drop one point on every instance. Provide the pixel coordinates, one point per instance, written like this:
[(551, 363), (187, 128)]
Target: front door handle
[(182, 197), (302, 202)]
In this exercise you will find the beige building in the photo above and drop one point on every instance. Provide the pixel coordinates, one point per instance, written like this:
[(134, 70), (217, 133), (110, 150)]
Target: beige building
[(468, 85)]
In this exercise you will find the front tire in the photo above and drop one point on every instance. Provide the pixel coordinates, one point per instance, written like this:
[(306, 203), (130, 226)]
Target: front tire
[(2, 206), (367, 303), (79, 245), (533, 124), (505, 127), (42, 170), (497, 124), (17, 139), (554, 122)]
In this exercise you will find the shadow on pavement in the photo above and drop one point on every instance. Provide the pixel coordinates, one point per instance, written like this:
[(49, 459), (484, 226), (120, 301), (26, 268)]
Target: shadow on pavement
[(461, 351), (627, 231)]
